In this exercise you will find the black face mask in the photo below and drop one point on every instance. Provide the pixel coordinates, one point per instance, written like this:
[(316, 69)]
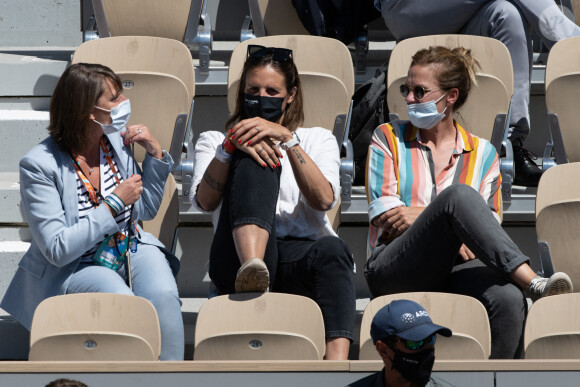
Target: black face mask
[(415, 367), (268, 108)]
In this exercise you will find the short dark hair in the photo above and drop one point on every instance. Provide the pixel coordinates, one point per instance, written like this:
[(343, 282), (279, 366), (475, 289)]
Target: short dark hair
[(66, 383), (76, 93), (294, 113)]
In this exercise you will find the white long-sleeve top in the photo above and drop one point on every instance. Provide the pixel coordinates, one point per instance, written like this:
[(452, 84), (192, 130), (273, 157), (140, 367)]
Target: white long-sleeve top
[(294, 216)]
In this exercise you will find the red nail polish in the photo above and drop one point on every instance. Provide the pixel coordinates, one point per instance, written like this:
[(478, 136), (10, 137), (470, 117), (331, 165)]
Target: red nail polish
[(273, 166), (281, 156), (233, 137), (278, 164), (249, 142), (264, 165), (239, 141)]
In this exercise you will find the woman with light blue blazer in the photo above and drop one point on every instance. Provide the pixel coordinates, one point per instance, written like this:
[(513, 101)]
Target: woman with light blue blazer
[(83, 194)]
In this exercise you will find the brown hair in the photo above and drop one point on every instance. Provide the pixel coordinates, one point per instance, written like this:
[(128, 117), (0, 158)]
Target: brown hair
[(454, 68), (294, 113), (76, 93)]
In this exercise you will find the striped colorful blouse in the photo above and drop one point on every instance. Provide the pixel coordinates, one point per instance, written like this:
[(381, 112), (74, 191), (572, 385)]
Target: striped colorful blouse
[(400, 170)]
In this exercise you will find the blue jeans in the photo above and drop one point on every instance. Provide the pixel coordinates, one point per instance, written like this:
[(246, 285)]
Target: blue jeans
[(153, 280), (425, 258), (321, 270)]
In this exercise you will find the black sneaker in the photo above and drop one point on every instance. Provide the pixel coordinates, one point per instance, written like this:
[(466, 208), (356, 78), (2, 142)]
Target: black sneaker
[(527, 172)]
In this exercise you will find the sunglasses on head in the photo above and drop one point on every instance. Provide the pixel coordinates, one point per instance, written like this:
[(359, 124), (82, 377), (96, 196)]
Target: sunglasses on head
[(278, 54), (418, 91), (415, 345)]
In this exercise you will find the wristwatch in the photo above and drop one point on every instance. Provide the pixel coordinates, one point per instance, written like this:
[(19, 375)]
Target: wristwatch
[(293, 142)]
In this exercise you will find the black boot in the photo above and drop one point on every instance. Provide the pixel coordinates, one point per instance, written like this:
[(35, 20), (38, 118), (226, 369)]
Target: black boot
[(527, 172)]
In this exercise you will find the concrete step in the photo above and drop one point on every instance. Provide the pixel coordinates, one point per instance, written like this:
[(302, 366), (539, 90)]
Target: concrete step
[(20, 130), (45, 23), (10, 212)]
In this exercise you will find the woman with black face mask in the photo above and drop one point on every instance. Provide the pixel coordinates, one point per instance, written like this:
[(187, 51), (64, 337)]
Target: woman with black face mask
[(269, 183)]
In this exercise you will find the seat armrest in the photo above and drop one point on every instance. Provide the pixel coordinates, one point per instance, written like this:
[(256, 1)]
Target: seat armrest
[(556, 134), (198, 36), (507, 170), (545, 260), (341, 131), (183, 171), (247, 30), (253, 26), (179, 130), (90, 30), (100, 19), (548, 160)]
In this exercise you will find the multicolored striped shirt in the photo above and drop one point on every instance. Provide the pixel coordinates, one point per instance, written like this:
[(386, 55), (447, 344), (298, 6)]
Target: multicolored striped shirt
[(400, 171)]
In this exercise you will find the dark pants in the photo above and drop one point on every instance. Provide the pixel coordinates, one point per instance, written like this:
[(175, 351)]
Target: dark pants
[(321, 269), (424, 258)]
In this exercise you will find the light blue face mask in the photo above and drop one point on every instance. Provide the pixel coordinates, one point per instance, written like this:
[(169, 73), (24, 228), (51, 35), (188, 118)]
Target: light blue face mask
[(425, 115), (119, 117)]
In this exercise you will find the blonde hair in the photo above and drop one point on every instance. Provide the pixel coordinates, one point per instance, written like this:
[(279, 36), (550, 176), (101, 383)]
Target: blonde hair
[(454, 69)]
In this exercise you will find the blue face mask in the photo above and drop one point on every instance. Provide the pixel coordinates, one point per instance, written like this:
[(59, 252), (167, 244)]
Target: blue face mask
[(425, 115), (119, 117)]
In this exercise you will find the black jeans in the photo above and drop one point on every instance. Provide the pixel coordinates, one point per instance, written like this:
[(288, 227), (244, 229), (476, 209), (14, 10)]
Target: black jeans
[(321, 270), (424, 258)]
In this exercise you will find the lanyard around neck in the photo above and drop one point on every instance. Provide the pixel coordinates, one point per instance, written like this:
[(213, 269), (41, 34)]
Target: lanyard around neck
[(93, 193)]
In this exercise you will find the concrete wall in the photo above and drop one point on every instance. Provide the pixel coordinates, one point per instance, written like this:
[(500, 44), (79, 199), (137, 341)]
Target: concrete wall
[(40, 23)]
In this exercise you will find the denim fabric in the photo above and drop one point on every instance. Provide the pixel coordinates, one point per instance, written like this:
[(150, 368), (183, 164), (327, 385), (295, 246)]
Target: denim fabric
[(321, 270), (153, 280), (424, 258)]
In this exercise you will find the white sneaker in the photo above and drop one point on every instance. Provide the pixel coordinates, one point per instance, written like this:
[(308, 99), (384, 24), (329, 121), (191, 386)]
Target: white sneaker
[(253, 276), (558, 283)]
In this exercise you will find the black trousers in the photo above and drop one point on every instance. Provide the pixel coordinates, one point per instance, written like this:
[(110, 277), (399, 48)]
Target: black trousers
[(322, 270)]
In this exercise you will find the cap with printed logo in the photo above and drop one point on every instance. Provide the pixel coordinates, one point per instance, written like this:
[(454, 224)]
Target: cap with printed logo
[(405, 319)]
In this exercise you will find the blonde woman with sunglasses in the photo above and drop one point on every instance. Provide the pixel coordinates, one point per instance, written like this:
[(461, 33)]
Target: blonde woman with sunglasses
[(268, 184), (434, 205)]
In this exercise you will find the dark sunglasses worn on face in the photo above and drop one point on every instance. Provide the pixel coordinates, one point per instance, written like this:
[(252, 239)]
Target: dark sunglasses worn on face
[(418, 91), (415, 345), (280, 55)]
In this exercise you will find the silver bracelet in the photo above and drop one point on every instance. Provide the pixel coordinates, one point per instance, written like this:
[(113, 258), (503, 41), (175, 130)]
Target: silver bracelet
[(222, 155)]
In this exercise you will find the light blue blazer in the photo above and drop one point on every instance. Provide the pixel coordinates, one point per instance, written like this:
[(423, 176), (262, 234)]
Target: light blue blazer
[(48, 189)]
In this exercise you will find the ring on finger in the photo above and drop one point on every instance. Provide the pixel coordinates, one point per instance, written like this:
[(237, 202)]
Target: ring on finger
[(257, 129), (139, 130), (261, 150)]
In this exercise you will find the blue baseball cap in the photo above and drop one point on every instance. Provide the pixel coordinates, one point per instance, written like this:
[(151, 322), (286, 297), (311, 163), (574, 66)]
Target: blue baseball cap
[(405, 319)]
